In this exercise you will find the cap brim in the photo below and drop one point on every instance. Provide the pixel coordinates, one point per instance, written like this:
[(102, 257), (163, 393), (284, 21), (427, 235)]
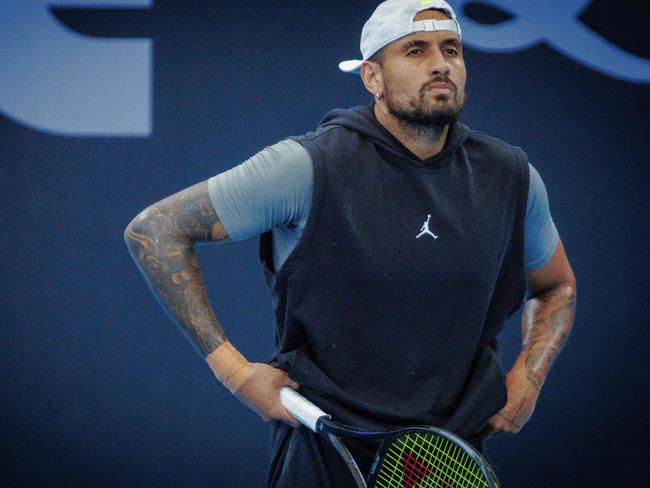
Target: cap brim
[(351, 66)]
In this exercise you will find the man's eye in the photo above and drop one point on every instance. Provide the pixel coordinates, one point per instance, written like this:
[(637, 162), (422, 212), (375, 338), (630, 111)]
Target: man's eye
[(452, 51), (414, 52)]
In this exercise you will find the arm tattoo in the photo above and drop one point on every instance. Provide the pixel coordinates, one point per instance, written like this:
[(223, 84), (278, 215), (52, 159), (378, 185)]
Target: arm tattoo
[(547, 322), (160, 240), (510, 422)]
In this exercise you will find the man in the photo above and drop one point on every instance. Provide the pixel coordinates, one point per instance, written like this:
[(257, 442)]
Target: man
[(395, 241)]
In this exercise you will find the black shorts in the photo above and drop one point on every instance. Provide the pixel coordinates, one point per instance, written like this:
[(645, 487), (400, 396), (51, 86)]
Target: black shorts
[(302, 459)]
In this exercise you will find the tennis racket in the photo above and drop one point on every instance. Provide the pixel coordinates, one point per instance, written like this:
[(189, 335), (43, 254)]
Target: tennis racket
[(414, 457)]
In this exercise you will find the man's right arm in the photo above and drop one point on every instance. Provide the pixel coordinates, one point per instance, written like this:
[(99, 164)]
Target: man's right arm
[(160, 240)]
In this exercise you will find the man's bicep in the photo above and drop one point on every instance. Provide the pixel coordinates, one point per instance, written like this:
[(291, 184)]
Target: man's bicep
[(541, 236), (188, 214), (269, 190), (556, 272)]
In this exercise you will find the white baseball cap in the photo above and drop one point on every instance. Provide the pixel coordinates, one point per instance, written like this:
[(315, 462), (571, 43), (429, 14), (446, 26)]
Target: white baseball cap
[(392, 20)]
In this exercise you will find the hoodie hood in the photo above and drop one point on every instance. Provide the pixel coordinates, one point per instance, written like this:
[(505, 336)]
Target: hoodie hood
[(361, 119)]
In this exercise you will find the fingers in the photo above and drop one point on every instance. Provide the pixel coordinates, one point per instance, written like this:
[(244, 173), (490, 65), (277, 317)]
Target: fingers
[(287, 418), (261, 390), (278, 412), (497, 425), (486, 432), (518, 409), (291, 383), (501, 421)]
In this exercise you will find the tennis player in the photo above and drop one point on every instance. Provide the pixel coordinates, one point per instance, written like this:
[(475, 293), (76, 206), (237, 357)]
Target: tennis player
[(395, 241)]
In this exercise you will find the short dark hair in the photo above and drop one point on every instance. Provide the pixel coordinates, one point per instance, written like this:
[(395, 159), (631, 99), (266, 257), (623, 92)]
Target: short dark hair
[(378, 57)]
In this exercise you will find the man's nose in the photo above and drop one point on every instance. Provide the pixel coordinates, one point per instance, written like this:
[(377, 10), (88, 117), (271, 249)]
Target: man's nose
[(438, 64)]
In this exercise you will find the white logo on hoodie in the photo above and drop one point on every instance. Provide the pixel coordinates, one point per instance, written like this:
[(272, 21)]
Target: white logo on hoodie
[(425, 229)]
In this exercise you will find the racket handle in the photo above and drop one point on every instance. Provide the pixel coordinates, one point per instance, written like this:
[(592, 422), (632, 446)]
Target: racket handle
[(301, 408)]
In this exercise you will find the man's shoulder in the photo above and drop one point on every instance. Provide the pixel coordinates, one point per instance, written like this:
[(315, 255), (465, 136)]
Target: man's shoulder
[(493, 149), (322, 133), (488, 141), (345, 123), (329, 140)]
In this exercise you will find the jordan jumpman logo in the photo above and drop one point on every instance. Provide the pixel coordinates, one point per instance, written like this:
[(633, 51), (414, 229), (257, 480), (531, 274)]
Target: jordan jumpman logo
[(425, 229)]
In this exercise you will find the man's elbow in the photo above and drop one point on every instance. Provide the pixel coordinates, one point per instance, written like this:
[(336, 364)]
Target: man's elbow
[(570, 285), (566, 290), (137, 232), (567, 284), (569, 292)]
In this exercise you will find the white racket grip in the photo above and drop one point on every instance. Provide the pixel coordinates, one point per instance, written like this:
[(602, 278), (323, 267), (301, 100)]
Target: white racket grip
[(301, 408)]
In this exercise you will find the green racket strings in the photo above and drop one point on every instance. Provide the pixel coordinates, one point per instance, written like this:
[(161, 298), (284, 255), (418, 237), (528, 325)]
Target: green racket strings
[(427, 460)]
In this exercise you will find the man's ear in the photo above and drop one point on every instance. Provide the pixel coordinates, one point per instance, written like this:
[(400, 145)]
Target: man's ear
[(372, 76)]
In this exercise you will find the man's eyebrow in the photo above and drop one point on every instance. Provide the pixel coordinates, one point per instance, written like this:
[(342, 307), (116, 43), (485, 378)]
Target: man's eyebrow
[(452, 40), (415, 43), (422, 43)]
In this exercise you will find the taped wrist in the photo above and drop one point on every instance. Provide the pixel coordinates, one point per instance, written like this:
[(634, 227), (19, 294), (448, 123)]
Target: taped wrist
[(229, 366)]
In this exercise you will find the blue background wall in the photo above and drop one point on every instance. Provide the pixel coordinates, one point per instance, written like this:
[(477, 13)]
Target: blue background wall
[(97, 388)]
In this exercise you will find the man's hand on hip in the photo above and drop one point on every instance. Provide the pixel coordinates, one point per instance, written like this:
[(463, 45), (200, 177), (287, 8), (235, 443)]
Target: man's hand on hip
[(522, 397), (261, 392)]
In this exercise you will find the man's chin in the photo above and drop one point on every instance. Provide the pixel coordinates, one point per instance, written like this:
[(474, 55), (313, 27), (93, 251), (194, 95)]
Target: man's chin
[(443, 103), (438, 114), (441, 116)]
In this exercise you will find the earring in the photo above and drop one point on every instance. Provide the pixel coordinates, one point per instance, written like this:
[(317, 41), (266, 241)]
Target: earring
[(379, 97)]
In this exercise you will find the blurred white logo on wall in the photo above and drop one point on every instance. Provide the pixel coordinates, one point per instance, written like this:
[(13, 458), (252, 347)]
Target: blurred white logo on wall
[(557, 24), (61, 82)]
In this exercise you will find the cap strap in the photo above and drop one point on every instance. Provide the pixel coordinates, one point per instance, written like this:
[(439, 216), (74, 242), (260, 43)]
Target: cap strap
[(430, 25)]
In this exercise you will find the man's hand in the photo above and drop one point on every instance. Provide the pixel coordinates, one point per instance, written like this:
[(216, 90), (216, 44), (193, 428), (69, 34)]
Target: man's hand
[(522, 397), (546, 323), (261, 393)]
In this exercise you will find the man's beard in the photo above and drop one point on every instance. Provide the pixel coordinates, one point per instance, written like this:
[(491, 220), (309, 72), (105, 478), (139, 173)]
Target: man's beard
[(423, 115)]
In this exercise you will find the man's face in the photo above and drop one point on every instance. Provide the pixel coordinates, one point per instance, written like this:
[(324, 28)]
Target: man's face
[(424, 76)]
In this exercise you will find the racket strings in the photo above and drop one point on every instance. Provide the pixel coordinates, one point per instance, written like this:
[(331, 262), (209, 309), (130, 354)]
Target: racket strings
[(452, 462), (460, 465), (428, 461), (404, 476), (444, 477)]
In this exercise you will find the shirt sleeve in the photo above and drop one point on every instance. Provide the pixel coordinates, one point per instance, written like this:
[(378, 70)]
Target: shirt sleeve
[(540, 234), (271, 189)]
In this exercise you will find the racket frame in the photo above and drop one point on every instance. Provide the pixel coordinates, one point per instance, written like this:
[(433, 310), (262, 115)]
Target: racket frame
[(321, 423), (391, 436)]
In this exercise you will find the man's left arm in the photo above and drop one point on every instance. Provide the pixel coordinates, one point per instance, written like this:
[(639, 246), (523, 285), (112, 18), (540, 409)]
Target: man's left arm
[(546, 323)]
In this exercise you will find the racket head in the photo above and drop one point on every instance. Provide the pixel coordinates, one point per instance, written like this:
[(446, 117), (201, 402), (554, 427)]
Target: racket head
[(427, 457)]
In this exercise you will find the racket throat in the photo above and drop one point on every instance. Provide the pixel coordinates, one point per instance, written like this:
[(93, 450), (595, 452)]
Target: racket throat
[(352, 464)]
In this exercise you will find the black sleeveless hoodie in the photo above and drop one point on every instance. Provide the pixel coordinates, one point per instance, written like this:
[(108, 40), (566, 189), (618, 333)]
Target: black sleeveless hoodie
[(383, 328)]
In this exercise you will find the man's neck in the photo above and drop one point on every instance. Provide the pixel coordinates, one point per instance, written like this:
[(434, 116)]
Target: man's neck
[(423, 142)]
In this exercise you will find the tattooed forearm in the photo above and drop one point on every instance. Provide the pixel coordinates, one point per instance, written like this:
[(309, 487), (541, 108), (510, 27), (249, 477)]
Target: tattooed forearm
[(160, 240), (547, 322)]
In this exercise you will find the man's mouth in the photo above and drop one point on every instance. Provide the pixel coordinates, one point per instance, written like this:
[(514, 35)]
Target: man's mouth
[(441, 87)]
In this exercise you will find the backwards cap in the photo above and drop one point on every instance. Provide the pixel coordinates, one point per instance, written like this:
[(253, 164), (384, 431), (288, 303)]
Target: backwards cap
[(392, 20)]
